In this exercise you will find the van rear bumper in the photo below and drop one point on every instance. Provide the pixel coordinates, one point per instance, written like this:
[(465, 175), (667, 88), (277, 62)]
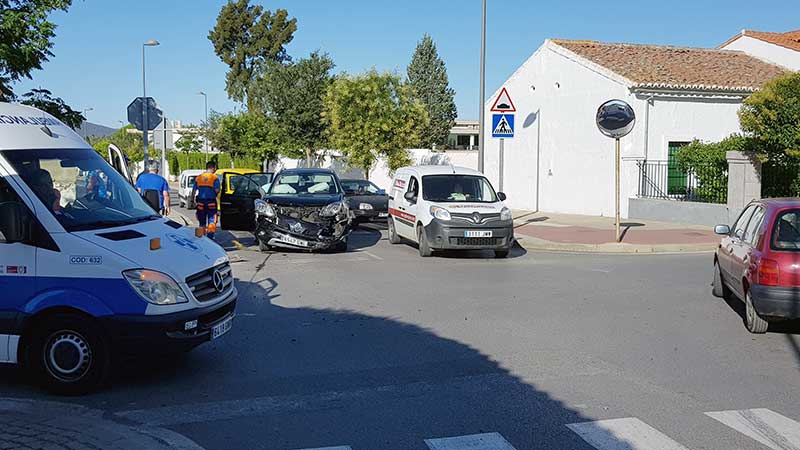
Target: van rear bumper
[(774, 301), (448, 236), (165, 334)]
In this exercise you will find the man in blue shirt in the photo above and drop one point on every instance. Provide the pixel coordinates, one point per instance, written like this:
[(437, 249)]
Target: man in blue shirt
[(153, 184)]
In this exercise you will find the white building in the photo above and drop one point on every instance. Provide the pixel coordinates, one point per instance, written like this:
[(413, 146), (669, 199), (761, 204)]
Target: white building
[(778, 48), (559, 162), (464, 135)]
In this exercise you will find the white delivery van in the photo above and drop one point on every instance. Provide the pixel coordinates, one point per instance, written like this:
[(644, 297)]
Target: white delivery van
[(185, 185), (88, 271), (448, 208)]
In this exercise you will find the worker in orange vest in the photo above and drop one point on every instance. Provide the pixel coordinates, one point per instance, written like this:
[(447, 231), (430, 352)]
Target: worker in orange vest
[(206, 188)]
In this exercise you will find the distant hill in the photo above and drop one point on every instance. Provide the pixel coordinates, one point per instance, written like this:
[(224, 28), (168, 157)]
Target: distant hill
[(92, 129)]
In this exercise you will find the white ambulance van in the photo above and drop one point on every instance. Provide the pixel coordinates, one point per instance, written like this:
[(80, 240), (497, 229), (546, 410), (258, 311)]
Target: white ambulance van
[(448, 208), (88, 271)]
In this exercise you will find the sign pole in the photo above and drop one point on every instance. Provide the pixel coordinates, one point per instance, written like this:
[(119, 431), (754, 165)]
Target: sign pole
[(616, 187), (482, 114), (501, 163), (144, 113)]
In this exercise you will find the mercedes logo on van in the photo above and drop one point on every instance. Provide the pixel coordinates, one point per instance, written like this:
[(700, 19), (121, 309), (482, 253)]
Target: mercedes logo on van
[(476, 218), (219, 283)]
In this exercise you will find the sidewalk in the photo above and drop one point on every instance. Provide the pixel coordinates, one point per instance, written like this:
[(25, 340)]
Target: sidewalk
[(577, 233)]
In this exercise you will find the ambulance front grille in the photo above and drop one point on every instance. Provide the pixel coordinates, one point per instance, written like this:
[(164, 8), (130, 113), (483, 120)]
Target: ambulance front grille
[(202, 284)]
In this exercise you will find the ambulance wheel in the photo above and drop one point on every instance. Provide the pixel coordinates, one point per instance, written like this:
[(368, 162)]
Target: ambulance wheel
[(424, 249), (394, 238), (68, 355)]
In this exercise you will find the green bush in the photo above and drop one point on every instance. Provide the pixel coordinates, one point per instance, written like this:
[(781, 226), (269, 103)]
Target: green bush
[(708, 162), (197, 160)]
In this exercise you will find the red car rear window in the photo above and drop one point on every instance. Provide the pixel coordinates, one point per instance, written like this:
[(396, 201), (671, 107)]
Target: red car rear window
[(786, 231)]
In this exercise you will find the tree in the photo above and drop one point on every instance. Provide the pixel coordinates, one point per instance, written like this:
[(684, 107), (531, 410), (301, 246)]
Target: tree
[(247, 134), (189, 141), (373, 115), (245, 38), (44, 100), (771, 116), (427, 76), (126, 139), (292, 95), (25, 39)]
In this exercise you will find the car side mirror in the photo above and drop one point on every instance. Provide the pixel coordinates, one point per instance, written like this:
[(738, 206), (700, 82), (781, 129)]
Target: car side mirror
[(411, 197), (381, 192), (722, 230), (13, 217), (501, 196)]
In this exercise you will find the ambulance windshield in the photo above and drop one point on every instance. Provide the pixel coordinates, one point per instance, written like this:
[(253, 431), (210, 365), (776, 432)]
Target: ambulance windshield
[(457, 188), (80, 188)]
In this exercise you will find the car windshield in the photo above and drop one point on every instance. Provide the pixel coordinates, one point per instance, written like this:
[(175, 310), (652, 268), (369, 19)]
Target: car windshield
[(786, 232), (360, 187), (80, 188), (457, 188), (321, 183)]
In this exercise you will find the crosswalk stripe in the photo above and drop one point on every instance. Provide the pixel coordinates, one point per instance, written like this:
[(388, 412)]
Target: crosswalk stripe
[(623, 434), (343, 447), (763, 425), (485, 441)]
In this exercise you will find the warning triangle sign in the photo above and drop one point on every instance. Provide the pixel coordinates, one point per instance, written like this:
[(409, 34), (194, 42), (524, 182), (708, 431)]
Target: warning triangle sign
[(503, 103)]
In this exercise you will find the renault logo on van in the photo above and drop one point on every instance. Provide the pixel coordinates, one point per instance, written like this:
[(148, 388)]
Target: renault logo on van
[(219, 283), (477, 218)]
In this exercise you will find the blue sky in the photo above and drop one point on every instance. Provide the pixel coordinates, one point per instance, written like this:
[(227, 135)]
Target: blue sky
[(97, 60)]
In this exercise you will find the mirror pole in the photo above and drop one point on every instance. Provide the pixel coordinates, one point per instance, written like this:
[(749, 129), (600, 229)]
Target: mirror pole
[(616, 187)]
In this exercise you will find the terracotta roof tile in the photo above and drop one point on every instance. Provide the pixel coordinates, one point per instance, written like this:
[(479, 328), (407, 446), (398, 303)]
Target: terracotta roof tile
[(677, 67), (789, 39)]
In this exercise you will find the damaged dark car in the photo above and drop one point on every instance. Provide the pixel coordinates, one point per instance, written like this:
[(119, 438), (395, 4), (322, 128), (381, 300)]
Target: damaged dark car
[(303, 209)]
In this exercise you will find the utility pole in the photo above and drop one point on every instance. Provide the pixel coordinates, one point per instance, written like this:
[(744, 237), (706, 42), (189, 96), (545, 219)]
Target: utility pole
[(145, 130), (482, 126), (205, 138)]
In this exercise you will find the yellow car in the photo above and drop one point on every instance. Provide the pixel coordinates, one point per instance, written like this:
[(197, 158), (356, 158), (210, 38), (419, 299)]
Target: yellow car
[(238, 189)]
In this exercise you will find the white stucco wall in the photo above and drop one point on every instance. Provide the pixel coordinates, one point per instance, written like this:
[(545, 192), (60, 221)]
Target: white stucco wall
[(765, 51), (556, 121)]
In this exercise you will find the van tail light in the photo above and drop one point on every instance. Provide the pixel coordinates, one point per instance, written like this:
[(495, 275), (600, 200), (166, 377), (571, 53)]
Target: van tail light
[(768, 272)]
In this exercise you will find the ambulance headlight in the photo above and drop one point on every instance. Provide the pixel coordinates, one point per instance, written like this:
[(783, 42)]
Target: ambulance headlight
[(264, 209), (440, 213), (505, 214), (155, 287)]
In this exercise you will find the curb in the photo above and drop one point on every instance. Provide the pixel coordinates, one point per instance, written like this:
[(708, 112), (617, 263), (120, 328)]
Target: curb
[(532, 243)]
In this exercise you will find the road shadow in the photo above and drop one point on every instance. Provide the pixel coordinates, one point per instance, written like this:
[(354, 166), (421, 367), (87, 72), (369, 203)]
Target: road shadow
[(787, 327), (289, 377), (517, 251)]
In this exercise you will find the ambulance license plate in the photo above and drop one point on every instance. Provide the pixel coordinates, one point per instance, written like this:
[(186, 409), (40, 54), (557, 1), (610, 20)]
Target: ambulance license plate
[(295, 241), (480, 233), (222, 328)]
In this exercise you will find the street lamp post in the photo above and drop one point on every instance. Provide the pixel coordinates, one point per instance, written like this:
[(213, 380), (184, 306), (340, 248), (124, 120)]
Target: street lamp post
[(482, 131), (205, 138), (150, 43)]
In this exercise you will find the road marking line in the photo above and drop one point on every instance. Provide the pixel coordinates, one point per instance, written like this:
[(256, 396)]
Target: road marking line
[(623, 434), (763, 425), (485, 441), (342, 447), (372, 255)]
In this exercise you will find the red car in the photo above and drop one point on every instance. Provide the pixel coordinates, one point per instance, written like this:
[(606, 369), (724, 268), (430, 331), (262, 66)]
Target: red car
[(758, 261)]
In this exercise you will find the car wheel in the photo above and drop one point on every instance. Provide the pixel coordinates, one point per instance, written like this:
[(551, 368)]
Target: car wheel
[(719, 289), (263, 246), (68, 355), (424, 249), (753, 322), (394, 238), (341, 246), (501, 254), (182, 203)]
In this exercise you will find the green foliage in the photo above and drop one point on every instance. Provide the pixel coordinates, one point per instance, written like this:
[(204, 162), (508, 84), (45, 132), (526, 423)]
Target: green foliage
[(190, 141), (246, 134), (292, 96), (708, 162), (197, 160), (373, 115), (25, 39), (130, 143), (771, 117), (245, 38), (44, 100), (427, 76)]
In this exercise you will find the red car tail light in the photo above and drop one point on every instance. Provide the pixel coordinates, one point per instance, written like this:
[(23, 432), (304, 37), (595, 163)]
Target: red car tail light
[(768, 272)]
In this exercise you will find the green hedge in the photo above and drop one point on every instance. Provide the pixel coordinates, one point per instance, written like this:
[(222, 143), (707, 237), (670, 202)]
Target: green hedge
[(180, 161)]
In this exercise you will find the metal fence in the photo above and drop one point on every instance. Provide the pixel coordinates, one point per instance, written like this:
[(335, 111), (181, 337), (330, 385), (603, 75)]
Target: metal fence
[(664, 180)]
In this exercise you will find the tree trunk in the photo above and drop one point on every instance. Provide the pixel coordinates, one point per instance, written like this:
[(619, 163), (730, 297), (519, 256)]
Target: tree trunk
[(308, 157)]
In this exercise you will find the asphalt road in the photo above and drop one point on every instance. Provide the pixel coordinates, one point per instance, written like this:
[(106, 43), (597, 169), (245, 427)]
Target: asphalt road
[(378, 348)]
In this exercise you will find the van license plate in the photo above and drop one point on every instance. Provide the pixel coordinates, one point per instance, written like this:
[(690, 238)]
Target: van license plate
[(222, 328), (295, 241), (480, 233)]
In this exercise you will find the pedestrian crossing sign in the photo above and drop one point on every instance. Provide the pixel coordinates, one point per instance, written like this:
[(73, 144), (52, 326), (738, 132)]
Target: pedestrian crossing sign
[(502, 125)]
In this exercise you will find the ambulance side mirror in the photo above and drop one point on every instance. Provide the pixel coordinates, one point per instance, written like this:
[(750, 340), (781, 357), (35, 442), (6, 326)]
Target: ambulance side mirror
[(13, 216), (501, 196), (411, 197)]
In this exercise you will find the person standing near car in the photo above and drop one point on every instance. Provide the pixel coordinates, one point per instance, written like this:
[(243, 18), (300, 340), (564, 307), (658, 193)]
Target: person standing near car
[(205, 190), (154, 188)]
